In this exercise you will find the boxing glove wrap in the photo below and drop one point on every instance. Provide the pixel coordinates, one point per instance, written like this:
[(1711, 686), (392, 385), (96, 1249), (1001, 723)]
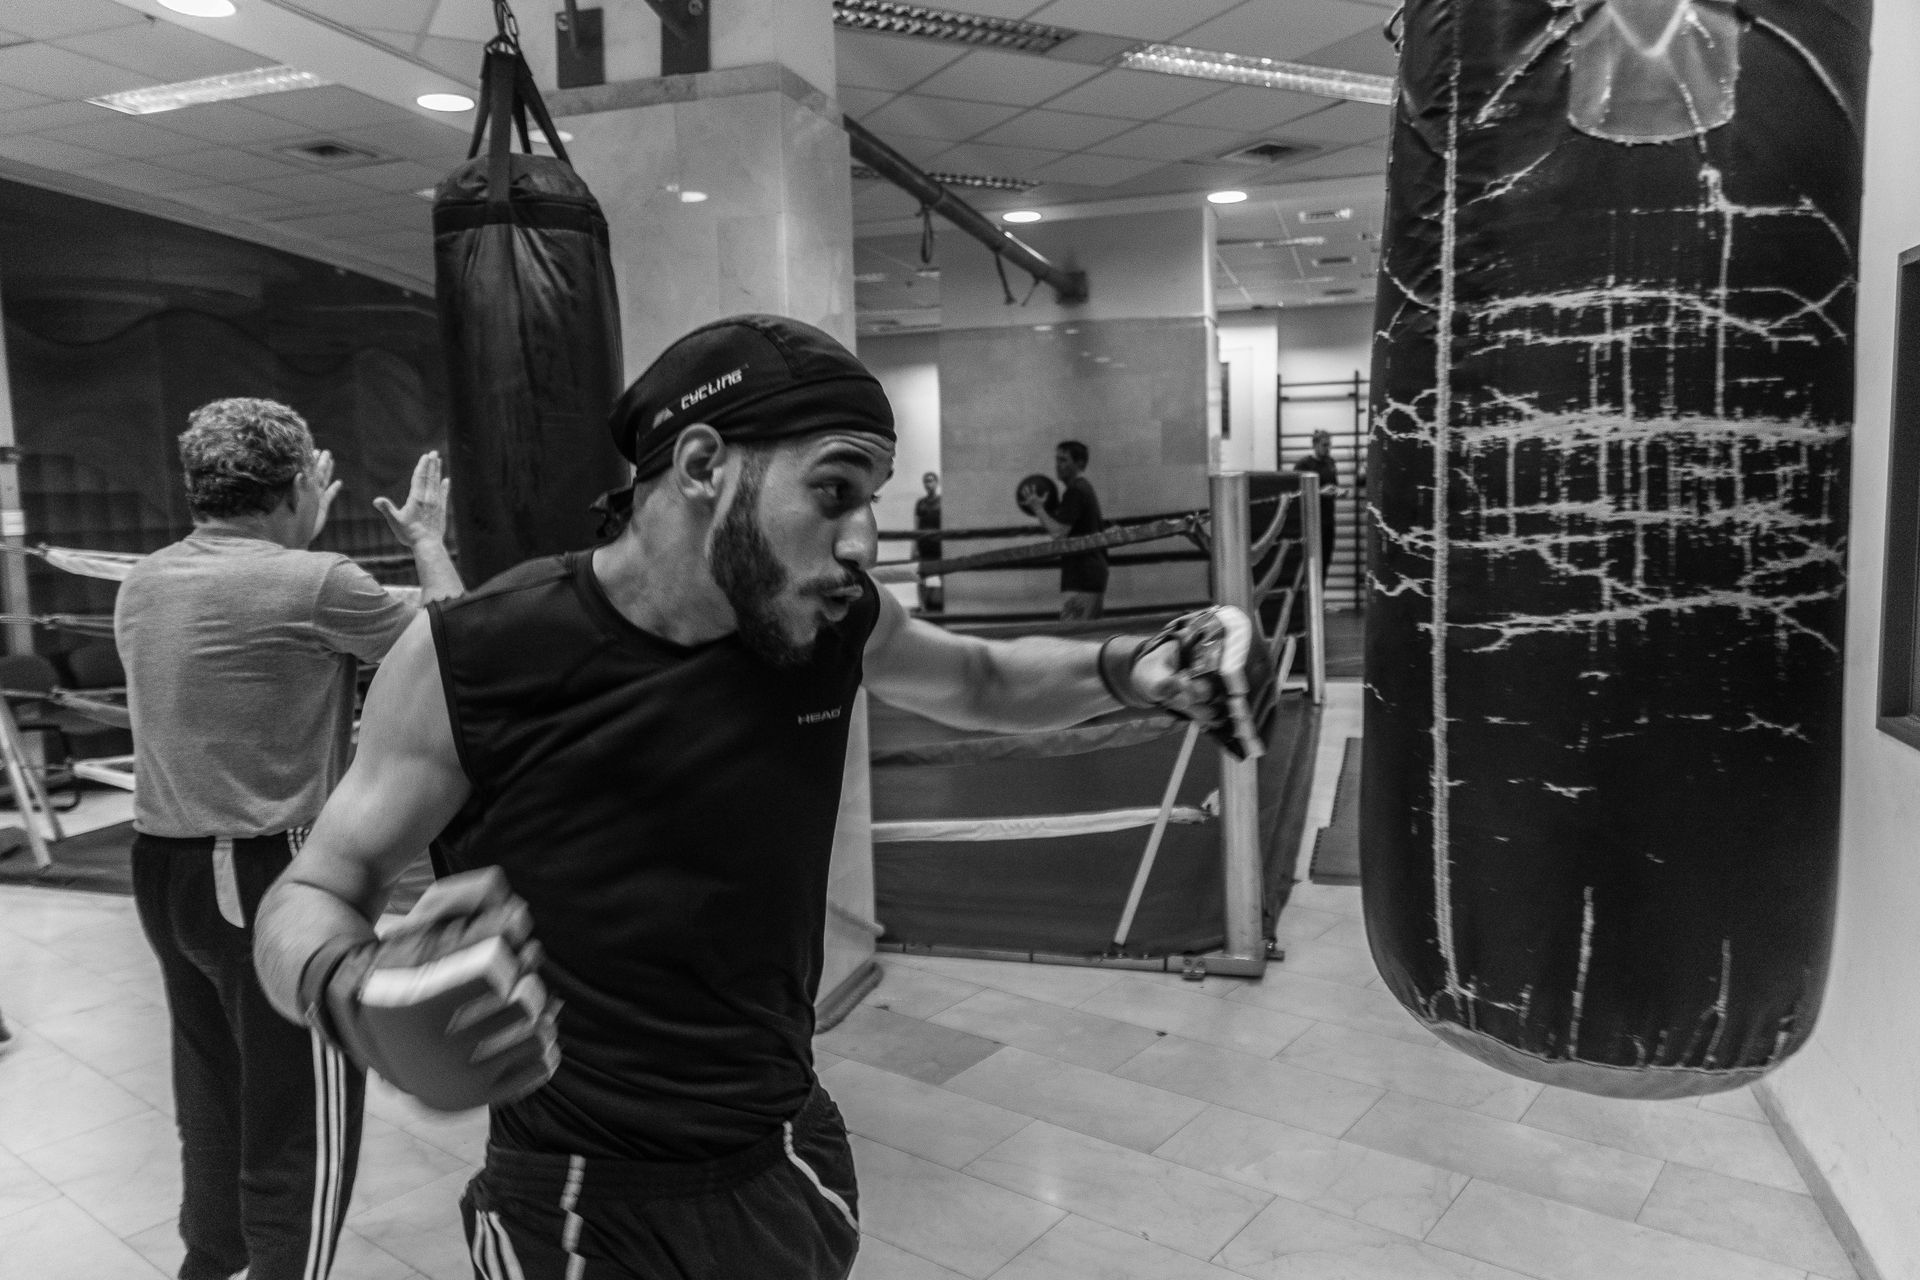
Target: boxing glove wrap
[(1224, 675)]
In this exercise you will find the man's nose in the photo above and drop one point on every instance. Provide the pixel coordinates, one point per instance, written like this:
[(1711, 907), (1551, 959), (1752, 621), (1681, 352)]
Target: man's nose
[(858, 541)]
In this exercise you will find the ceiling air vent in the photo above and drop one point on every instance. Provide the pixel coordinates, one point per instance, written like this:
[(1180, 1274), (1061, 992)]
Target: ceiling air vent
[(1267, 151), (1339, 260), (1310, 216), (1338, 293), (330, 153)]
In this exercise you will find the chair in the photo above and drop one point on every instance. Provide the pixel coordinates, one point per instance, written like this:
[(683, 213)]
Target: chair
[(25, 680)]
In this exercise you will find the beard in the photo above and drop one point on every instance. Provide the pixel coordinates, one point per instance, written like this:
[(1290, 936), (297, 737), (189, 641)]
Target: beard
[(753, 580)]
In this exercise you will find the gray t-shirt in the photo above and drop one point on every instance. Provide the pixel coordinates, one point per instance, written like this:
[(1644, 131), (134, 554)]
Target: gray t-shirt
[(241, 657)]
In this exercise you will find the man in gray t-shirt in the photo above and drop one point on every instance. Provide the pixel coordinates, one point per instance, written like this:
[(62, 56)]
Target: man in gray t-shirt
[(241, 648)]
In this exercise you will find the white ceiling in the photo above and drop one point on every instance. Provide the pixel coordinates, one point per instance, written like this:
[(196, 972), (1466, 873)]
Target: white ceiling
[(1084, 134)]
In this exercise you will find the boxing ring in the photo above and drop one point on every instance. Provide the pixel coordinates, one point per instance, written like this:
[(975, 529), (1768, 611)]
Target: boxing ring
[(1125, 841)]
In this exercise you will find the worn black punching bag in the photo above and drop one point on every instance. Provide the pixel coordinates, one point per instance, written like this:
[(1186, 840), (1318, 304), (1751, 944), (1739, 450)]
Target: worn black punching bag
[(1613, 384), (531, 328)]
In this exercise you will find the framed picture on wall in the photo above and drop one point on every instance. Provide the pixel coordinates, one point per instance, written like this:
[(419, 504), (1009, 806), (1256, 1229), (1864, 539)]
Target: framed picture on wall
[(1900, 604)]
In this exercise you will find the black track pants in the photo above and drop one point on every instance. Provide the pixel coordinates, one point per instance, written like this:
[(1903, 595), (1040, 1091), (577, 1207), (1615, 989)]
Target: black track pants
[(783, 1209), (269, 1116)]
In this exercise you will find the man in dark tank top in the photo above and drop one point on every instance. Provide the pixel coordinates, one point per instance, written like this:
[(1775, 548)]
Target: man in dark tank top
[(635, 754)]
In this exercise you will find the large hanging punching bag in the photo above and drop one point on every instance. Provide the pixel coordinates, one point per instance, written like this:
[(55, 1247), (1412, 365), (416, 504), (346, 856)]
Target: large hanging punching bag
[(531, 328), (1612, 394)]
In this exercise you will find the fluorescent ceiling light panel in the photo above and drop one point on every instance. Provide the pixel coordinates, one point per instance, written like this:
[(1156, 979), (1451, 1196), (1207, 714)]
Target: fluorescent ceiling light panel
[(191, 93), (200, 8), (989, 182), (1265, 73), (927, 23)]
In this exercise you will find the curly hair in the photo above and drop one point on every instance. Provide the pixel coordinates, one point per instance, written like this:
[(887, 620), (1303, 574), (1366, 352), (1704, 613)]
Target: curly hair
[(242, 457)]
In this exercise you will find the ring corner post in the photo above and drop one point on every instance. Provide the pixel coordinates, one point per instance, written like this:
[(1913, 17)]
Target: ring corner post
[(1246, 951)]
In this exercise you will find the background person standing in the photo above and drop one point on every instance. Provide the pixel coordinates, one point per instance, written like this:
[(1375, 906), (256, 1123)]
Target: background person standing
[(241, 648), (1326, 467), (1083, 576), (926, 515)]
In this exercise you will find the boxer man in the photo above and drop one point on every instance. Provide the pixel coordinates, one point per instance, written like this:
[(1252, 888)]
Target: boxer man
[(241, 648), (639, 750)]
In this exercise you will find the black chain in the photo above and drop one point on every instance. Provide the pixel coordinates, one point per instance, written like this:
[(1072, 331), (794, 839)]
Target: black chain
[(503, 19)]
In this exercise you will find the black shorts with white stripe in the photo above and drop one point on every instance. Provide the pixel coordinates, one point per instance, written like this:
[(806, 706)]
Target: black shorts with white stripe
[(786, 1208)]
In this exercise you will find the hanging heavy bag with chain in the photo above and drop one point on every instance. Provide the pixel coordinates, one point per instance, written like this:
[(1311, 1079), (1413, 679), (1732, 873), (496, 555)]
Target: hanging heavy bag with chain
[(531, 328)]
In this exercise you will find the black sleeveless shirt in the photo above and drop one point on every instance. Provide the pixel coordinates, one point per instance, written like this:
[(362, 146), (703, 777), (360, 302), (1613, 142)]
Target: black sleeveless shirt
[(668, 814)]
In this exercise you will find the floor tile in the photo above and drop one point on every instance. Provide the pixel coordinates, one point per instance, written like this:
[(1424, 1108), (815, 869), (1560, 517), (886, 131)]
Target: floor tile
[(1290, 1241), (125, 1174), (1228, 1023), (151, 1082), (882, 1038), (394, 1162), (46, 1096), (1081, 1249), (879, 1260), (104, 947), (1670, 1131), (1337, 898), (1121, 1111), (1433, 1071), (1071, 1035), (1319, 958), (1341, 1177), (1350, 932), (824, 1061), (20, 1187), (925, 1120), (1303, 924), (51, 987), (1156, 1199), (1738, 1103), (462, 1133), (1066, 984), (1259, 1086), (60, 1240), (1780, 1226), (1341, 1003), (421, 1229), (1556, 1241), (918, 993), (1604, 1179), (114, 1036), (932, 1212)]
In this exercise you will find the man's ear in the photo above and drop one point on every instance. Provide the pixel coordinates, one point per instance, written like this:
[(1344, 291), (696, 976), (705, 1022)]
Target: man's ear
[(699, 455)]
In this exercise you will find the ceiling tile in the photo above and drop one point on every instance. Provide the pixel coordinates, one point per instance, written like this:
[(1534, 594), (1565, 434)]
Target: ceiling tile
[(882, 201), (330, 108), (1144, 19), (164, 51), (858, 102), (1009, 162), (1369, 51), (1095, 171), (325, 225), (888, 62), (401, 175), (1348, 163), (54, 115), (228, 124), (460, 59), (48, 154), (241, 201), (415, 139), (467, 20), (127, 136), (54, 72), (1134, 95), (1165, 142), (230, 164), (1053, 130), (919, 150), (1288, 31), (1001, 8), (315, 189), (1017, 78), (57, 19), (913, 115), (1245, 109), (405, 41), (20, 99), (401, 241), (141, 176), (1343, 123), (397, 15)]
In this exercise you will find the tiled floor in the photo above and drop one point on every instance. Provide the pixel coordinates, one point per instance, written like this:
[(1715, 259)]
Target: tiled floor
[(1018, 1122)]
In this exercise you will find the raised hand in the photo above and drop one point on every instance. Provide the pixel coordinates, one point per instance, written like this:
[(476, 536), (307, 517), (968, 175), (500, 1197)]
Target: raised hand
[(424, 517)]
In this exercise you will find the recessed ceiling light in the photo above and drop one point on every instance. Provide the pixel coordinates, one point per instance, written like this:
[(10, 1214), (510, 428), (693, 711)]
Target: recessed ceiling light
[(692, 197), (445, 101), (1020, 215), (427, 193), (1225, 197), (188, 93), (200, 8)]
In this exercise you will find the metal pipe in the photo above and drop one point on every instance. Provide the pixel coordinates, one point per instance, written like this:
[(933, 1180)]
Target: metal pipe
[(1316, 588), (1239, 779), (1068, 286)]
